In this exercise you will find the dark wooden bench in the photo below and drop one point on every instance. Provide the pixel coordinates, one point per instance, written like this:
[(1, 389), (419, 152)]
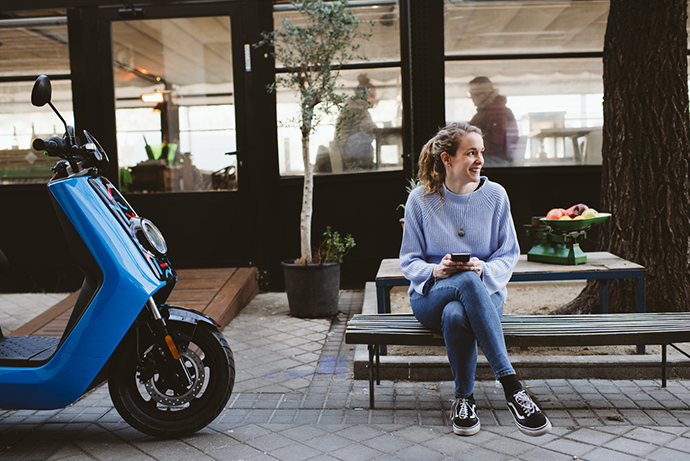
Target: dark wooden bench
[(663, 329)]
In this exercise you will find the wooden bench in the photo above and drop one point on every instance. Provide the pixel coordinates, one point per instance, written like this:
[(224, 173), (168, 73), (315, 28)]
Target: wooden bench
[(663, 329)]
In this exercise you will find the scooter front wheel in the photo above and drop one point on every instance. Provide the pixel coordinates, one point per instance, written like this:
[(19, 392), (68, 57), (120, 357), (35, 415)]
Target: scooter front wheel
[(150, 400)]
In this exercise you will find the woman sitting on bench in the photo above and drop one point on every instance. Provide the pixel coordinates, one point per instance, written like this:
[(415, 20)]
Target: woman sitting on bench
[(458, 211)]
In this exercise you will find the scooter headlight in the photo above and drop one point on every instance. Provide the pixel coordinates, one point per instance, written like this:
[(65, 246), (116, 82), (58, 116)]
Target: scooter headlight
[(149, 236)]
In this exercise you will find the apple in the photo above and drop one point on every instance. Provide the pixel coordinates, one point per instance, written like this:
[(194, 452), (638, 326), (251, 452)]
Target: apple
[(565, 218), (555, 213), (576, 210), (590, 213)]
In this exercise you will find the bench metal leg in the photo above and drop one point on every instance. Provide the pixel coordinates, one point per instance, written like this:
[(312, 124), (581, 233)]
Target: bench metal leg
[(605, 298), (373, 350), (640, 306), (378, 364), (663, 365), (383, 306), (383, 299), (640, 295)]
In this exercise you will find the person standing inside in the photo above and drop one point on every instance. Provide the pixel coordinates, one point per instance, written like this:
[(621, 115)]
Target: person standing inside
[(496, 121), (457, 210)]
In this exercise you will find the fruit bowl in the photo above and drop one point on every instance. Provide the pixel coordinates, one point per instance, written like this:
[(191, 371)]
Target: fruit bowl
[(569, 225)]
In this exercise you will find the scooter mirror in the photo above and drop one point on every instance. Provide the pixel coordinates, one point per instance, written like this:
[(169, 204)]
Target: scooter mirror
[(42, 91)]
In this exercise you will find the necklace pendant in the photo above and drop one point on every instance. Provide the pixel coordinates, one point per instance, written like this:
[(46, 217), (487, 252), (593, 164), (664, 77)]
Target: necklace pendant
[(461, 232)]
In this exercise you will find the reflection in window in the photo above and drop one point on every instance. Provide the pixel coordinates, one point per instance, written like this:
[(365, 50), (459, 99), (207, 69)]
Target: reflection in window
[(363, 136), (558, 115), (175, 104), (512, 27), (31, 46), (384, 44), (556, 100)]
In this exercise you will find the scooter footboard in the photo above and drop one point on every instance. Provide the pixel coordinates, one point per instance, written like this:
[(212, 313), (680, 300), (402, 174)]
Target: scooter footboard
[(27, 349)]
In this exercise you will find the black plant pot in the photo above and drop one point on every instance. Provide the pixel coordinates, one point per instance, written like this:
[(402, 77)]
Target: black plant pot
[(312, 289)]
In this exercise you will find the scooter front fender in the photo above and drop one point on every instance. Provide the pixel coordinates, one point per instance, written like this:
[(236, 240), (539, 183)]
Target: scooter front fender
[(186, 315)]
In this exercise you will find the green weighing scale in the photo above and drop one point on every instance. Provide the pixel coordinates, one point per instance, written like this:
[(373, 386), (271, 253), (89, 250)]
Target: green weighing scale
[(558, 240)]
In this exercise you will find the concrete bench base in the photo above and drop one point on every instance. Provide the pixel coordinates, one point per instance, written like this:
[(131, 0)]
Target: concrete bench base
[(436, 368)]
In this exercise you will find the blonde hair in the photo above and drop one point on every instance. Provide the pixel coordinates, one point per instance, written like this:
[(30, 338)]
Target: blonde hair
[(432, 172)]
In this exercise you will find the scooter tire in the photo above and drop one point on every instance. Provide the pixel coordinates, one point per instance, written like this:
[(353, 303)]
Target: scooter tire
[(142, 412)]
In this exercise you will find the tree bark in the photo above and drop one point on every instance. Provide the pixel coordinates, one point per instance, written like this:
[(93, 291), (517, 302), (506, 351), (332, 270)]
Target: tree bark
[(307, 201), (645, 155)]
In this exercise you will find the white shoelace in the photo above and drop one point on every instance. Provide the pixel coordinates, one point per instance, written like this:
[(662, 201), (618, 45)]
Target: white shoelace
[(463, 410), (526, 403)]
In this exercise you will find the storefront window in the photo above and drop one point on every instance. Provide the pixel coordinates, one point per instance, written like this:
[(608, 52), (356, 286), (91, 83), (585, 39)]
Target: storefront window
[(363, 136), (530, 75), (31, 46), (557, 115), (185, 140), (384, 16)]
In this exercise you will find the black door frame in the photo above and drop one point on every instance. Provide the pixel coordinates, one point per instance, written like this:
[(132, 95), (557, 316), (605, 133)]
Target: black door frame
[(249, 208)]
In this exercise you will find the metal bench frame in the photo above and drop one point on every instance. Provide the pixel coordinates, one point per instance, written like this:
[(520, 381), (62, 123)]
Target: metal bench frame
[(665, 329)]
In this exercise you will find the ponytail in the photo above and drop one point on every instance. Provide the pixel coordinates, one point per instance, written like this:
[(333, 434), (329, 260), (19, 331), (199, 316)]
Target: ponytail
[(432, 171)]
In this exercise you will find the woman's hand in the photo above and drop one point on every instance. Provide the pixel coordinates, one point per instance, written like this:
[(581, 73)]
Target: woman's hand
[(448, 267)]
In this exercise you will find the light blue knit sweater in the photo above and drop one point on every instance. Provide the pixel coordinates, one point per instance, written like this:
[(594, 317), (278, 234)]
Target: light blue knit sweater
[(431, 232)]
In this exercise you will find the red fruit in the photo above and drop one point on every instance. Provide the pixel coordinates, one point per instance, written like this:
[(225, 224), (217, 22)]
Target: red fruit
[(576, 210), (555, 213)]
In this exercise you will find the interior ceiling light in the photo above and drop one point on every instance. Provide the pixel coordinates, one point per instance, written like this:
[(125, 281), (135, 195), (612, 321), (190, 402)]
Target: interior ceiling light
[(156, 97)]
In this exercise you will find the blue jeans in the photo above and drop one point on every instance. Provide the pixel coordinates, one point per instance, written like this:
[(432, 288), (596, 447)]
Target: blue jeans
[(461, 307)]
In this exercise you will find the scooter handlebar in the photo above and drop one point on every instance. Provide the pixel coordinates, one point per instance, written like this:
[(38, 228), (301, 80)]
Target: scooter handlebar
[(53, 145)]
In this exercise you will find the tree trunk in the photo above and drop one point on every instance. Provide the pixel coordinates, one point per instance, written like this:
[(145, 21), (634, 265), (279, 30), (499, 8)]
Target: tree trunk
[(307, 201), (646, 153)]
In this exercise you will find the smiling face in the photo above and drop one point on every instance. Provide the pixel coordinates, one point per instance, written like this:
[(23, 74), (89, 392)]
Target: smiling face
[(464, 168)]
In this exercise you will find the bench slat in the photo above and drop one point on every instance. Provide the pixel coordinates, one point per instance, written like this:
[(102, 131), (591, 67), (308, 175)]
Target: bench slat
[(533, 330)]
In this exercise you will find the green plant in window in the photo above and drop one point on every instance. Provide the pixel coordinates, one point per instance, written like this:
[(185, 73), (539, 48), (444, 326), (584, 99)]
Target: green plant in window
[(312, 53)]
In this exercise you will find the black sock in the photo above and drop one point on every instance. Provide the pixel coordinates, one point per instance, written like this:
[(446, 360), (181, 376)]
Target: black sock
[(510, 385)]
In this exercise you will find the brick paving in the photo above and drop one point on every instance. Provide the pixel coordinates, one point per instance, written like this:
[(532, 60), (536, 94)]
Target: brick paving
[(295, 399)]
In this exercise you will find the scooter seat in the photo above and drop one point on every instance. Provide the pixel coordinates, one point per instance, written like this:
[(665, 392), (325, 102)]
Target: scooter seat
[(27, 348)]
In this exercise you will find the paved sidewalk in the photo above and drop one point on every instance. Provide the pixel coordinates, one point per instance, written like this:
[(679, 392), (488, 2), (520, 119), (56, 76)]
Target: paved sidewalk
[(17, 309), (295, 399)]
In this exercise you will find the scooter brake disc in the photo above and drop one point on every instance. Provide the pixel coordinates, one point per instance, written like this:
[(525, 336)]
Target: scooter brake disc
[(196, 370)]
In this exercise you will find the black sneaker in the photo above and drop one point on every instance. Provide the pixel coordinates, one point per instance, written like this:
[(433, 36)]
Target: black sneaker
[(463, 413), (528, 417)]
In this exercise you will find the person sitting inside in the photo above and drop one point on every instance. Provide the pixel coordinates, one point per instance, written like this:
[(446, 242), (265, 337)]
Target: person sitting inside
[(355, 131)]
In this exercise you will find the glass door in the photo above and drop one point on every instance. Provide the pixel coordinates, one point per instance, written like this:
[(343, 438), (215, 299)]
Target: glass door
[(175, 102)]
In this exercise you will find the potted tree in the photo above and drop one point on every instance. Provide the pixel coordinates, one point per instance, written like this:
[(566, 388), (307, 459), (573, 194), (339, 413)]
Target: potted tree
[(313, 289), (311, 54)]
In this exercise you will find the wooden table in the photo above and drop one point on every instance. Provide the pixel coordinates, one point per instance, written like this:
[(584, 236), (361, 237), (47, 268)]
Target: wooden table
[(600, 266), (572, 133)]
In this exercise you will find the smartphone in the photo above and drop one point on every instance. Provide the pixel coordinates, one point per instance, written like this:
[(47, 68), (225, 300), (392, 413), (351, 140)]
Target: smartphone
[(460, 257)]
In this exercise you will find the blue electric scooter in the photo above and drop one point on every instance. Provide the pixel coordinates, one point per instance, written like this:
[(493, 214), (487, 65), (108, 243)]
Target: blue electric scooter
[(170, 371)]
